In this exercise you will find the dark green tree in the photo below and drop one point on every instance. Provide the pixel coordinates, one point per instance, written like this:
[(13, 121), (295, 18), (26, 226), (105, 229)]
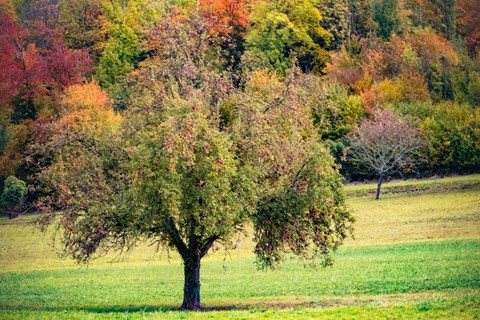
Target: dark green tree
[(336, 19), (361, 23), (447, 8), (13, 192), (386, 15)]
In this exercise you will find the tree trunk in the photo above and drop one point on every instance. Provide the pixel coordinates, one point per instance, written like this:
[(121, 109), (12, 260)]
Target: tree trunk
[(379, 186), (191, 288), (12, 214)]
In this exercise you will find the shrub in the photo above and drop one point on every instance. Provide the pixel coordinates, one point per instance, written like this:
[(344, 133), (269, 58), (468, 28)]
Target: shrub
[(13, 193), (453, 134)]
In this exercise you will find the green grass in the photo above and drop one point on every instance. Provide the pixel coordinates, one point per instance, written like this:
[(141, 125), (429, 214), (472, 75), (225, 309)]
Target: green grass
[(445, 308), (415, 256), (377, 270), (411, 217)]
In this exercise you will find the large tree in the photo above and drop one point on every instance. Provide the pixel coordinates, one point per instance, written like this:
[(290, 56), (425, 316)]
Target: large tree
[(384, 145), (195, 160)]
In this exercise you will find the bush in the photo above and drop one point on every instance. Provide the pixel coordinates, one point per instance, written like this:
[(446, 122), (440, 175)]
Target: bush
[(13, 193), (453, 134)]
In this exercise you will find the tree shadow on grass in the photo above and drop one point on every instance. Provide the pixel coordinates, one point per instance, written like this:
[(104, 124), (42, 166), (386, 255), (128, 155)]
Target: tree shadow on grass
[(175, 308)]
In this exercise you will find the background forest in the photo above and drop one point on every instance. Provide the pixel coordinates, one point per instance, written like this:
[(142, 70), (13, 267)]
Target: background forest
[(70, 70)]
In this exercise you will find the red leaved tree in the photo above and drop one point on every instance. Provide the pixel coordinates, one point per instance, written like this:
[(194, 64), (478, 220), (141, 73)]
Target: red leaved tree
[(468, 23), (35, 61)]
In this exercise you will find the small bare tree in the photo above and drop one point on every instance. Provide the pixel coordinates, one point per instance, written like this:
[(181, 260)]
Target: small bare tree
[(384, 145)]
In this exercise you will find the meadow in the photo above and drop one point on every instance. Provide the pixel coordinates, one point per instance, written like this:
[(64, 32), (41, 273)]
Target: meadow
[(415, 255)]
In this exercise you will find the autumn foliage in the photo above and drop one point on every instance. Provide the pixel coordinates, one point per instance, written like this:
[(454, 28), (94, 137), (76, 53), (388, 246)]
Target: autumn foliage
[(71, 63), (468, 23), (35, 61), (226, 16)]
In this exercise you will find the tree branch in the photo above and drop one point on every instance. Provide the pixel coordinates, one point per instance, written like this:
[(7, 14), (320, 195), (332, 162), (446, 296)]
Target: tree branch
[(208, 244)]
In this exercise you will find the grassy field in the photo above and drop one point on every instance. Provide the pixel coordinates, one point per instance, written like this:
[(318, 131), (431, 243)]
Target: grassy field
[(416, 255)]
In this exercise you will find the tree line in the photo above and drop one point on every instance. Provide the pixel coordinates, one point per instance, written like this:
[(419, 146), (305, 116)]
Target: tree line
[(417, 58)]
